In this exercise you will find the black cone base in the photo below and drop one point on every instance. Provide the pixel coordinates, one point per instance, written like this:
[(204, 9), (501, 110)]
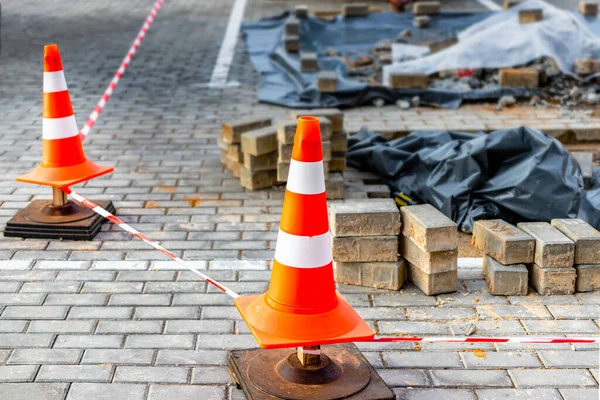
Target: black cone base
[(41, 221), (344, 373)]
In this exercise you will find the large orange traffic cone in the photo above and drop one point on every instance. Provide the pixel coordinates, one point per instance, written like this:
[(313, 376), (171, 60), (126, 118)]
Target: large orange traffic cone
[(63, 161), (302, 307)]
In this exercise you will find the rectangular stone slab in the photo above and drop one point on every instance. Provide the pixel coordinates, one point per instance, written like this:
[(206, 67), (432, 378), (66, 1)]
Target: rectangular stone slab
[(552, 248), (381, 275), (365, 218), (365, 248), (588, 278), (429, 262), (585, 236), (505, 280), (260, 141), (503, 241), (552, 281), (432, 284), (430, 229), (232, 131), (333, 114), (286, 130)]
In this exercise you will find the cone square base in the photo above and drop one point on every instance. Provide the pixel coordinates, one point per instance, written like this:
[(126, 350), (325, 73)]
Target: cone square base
[(342, 324), (65, 176), (80, 226), (243, 365)]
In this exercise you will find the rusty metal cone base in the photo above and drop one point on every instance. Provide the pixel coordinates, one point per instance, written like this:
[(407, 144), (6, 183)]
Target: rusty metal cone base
[(343, 373), (41, 220)]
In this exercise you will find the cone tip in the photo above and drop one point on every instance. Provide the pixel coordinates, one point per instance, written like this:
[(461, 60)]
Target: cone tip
[(52, 62), (307, 143)]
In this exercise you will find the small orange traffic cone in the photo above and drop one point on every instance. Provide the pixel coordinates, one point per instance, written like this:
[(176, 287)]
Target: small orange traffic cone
[(63, 161), (302, 307)]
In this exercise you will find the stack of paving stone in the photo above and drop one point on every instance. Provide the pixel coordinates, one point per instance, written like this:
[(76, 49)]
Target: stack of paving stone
[(507, 252), (365, 243), (429, 243)]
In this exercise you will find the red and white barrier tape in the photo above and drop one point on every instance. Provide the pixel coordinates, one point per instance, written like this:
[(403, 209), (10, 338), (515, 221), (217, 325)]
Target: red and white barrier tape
[(516, 339), (124, 64), (102, 212), (445, 339)]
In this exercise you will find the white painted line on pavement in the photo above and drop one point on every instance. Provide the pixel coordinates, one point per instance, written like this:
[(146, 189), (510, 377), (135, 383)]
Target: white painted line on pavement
[(227, 51), (490, 5)]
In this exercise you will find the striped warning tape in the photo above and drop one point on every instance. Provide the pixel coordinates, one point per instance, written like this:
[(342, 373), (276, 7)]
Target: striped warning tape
[(124, 64), (101, 211), (445, 339)]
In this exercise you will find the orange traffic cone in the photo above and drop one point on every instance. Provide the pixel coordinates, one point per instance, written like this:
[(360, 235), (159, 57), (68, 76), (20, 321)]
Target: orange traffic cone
[(63, 161), (302, 307)]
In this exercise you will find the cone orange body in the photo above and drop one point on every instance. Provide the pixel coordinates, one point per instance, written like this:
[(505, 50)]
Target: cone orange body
[(63, 161), (302, 307)]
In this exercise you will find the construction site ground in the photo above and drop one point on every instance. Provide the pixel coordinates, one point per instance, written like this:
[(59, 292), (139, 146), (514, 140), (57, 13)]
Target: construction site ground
[(113, 319)]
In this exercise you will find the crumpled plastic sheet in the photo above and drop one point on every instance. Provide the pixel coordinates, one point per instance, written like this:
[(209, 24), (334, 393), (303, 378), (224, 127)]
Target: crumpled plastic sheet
[(500, 41), (517, 175), (287, 86)]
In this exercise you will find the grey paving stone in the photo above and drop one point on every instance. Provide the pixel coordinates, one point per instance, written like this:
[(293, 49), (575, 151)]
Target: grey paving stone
[(195, 326), (152, 374), (220, 313), (381, 313), (191, 357), (112, 287), (17, 373), (61, 326), (226, 342), (469, 299), (4, 356), (168, 313), (561, 326), (12, 326), (575, 312), (140, 300), (160, 342), (513, 312), (45, 356), (525, 378), (498, 328), (89, 341), (569, 359), (74, 373), (210, 376), (34, 312), (510, 394), (37, 391), (159, 392), (32, 299), (76, 299), (16, 340), (130, 327), (430, 313), (504, 360), (422, 360), (470, 378), (118, 356), (415, 328), (579, 394), (100, 313), (404, 377), (434, 394), (106, 391)]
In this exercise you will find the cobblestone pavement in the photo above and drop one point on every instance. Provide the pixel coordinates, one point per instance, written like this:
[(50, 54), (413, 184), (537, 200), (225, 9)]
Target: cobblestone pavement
[(111, 318)]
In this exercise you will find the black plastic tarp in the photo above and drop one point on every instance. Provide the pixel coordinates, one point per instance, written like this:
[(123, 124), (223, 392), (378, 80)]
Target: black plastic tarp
[(286, 86), (517, 174)]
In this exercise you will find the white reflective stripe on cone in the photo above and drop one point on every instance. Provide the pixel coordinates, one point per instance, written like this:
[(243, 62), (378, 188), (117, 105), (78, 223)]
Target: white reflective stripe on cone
[(306, 177), (54, 82), (59, 128), (303, 251)]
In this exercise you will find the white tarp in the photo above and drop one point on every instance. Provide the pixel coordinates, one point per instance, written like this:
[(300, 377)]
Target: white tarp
[(500, 41)]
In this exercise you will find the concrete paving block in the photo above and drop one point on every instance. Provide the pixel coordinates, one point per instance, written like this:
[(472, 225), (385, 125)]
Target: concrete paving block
[(432, 284), (506, 280), (337, 162), (292, 43), (552, 281), (365, 248), (427, 7), (327, 81), (530, 16), (588, 278), (382, 275), (428, 262), (588, 8), (334, 187), (364, 218), (292, 27), (339, 142), (257, 180), (406, 80), (430, 229), (232, 131), (301, 11), (552, 248), (37, 391), (519, 77), (355, 10), (286, 130), (503, 241), (586, 238), (102, 391), (264, 162), (308, 62), (260, 141), (335, 116)]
